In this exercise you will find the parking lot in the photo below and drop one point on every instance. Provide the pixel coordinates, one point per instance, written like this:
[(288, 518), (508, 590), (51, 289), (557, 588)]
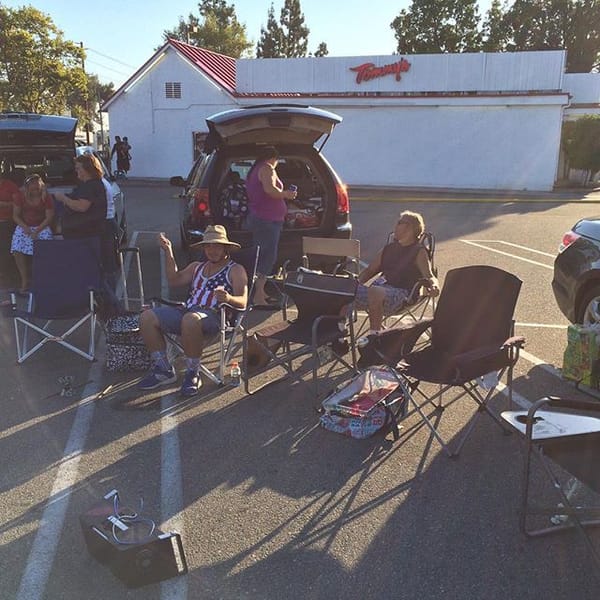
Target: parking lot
[(268, 504)]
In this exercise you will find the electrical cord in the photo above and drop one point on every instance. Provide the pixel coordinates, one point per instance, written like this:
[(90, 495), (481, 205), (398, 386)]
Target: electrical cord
[(130, 519)]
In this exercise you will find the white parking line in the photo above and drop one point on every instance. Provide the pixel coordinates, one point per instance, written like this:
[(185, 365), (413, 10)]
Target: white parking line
[(527, 248), (41, 557), (171, 472), (527, 260)]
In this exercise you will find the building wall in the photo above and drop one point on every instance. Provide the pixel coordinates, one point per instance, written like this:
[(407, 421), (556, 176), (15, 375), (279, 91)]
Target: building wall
[(160, 130), (478, 145), (467, 72), (495, 140)]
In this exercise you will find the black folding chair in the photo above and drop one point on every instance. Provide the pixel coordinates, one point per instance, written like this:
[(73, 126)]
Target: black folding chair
[(471, 335), (319, 299), (233, 320), (563, 433), (66, 276)]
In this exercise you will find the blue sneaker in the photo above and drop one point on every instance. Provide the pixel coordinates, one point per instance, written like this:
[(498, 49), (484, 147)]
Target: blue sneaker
[(191, 383), (157, 377)]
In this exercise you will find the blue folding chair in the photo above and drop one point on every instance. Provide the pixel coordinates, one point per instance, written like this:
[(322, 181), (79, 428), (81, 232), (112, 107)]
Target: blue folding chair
[(66, 276)]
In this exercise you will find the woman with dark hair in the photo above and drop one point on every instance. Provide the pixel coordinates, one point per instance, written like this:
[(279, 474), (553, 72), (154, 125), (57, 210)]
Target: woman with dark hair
[(266, 213), (84, 213)]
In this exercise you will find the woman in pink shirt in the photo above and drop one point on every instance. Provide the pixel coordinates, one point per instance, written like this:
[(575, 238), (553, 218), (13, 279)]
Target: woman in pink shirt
[(266, 213)]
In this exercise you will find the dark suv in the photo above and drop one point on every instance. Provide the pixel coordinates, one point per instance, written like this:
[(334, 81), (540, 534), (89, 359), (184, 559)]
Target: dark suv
[(214, 191)]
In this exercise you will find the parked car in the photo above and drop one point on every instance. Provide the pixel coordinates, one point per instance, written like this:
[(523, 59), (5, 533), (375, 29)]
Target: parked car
[(45, 144), (214, 190), (576, 281)]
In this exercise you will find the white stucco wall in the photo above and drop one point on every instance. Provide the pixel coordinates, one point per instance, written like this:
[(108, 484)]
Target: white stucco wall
[(160, 129), (478, 144), (476, 141)]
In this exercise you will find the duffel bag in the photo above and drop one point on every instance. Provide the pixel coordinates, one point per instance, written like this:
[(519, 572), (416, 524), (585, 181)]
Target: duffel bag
[(125, 349)]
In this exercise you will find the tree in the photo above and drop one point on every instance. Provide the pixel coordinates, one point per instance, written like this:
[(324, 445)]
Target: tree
[(581, 143), (270, 44), (295, 36), (493, 31), (83, 102), (288, 38), (321, 50), (39, 69), (556, 24), (438, 26), (217, 29)]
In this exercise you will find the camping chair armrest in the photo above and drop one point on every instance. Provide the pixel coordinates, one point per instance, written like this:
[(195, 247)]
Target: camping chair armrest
[(556, 402), (517, 341), (231, 307), (415, 293)]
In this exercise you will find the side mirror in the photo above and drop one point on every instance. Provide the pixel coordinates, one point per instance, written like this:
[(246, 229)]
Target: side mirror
[(177, 181)]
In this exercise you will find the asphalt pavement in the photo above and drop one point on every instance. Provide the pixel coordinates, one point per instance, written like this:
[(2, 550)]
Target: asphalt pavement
[(269, 505)]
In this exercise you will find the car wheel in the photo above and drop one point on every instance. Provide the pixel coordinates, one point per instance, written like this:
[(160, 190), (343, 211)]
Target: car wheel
[(589, 312)]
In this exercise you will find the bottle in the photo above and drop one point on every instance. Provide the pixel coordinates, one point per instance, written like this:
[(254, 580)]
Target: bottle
[(235, 375)]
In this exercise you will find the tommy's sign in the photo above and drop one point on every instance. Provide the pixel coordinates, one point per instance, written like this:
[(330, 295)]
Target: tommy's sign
[(368, 71)]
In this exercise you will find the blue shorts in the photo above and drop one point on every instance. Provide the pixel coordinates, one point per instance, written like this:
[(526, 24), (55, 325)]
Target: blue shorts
[(266, 235), (170, 318)]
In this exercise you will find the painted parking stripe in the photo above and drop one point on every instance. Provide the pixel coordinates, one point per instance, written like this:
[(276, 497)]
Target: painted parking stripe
[(527, 260), (171, 479), (43, 551), (527, 248)]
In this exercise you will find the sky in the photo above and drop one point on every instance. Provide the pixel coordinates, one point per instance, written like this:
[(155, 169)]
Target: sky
[(121, 35)]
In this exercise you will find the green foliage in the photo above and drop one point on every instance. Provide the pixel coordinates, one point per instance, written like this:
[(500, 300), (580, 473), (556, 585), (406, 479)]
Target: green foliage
[(270, 44), (432, 26), (321, 50), (289, 37), (39, 69), (553, 24), (217, 29), (580, 141), (453, 26)]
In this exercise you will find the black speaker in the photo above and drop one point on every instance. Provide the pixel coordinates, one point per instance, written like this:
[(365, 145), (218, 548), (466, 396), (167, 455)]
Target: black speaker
[(134, 550)]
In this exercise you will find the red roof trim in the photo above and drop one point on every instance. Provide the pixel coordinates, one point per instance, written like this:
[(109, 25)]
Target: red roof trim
[(217, 66)]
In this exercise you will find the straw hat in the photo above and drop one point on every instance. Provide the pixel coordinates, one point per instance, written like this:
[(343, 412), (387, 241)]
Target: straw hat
[(215, 234)]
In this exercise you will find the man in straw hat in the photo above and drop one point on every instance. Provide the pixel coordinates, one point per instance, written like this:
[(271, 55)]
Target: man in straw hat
[(212, 282)]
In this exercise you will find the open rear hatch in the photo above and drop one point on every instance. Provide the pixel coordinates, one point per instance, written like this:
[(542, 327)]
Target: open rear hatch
[(270, 124), (32, 131)]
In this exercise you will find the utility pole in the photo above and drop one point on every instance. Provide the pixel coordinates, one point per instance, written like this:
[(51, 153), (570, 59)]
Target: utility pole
[(87, 105)]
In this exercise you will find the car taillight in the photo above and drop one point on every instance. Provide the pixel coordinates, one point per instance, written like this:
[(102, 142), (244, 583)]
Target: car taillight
[(201, 202), (343, 204), (567, 240)]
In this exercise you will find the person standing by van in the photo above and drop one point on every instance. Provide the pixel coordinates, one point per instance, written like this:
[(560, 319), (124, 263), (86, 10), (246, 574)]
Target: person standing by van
[(266, 214)]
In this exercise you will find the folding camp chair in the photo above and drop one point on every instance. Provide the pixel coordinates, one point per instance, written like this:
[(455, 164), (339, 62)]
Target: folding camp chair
[(419, 300), (66, 275), (564, 433), (316, 250), (471, 335), (233, 320), (319, 299)]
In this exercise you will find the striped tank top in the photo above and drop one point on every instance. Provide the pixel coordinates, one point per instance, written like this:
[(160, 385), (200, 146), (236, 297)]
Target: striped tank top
[(203, 288)]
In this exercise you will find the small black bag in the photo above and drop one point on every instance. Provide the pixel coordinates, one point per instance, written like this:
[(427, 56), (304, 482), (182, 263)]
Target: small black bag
[(125, 349)]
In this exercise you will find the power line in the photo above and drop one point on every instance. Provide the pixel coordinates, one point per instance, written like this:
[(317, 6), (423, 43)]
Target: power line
[(111, 58), (108, 68)]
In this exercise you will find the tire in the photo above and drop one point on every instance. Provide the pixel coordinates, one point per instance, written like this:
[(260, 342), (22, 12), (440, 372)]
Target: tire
[(589, 309)]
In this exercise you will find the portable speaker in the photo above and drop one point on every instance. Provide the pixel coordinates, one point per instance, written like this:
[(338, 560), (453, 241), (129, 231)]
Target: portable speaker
[(134, 550)]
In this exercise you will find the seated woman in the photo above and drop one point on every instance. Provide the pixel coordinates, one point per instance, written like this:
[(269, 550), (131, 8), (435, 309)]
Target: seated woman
[(33, 210), (400, 264)]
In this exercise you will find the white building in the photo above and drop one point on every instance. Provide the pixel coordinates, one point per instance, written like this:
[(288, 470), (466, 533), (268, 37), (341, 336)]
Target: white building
[(478, 121)]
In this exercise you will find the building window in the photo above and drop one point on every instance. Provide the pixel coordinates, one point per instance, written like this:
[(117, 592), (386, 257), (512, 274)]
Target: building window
[(173, 89)]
